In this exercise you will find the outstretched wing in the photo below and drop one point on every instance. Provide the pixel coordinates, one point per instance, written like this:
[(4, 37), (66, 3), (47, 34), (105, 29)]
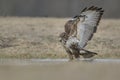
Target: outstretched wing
[(89, 20)]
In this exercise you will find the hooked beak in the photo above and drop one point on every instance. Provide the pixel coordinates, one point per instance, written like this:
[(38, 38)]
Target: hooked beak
[(77, 16), (81, 15)]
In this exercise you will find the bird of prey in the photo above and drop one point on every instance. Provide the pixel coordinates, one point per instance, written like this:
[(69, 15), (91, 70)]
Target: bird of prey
[(79, 30)]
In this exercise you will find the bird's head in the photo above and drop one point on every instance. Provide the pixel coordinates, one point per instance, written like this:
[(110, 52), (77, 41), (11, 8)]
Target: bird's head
[(76, 18), (79, 18)]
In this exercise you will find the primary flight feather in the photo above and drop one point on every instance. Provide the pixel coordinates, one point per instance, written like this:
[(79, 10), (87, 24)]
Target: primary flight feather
[(88, 25), (79, 30)]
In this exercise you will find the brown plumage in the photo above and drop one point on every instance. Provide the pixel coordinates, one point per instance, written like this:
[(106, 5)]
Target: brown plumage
[(79, 31), (71, 27)]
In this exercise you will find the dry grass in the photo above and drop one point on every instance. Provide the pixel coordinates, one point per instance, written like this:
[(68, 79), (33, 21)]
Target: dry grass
[(38, 38)]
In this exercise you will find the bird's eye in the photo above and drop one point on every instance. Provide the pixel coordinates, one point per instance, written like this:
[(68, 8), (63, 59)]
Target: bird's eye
[(74, 16)]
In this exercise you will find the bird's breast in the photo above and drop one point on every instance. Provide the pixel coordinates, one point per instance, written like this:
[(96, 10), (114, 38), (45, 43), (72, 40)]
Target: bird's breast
[(71, 41)]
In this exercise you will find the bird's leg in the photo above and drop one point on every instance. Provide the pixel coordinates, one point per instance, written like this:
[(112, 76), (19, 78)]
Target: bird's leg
[(70, 57), (76, 54), (69, 54)]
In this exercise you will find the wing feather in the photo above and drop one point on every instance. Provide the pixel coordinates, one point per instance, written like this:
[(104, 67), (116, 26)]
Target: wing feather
[(87, 27)]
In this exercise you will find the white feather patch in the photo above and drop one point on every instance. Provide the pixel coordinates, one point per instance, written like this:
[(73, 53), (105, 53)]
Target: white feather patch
[(71, 40)]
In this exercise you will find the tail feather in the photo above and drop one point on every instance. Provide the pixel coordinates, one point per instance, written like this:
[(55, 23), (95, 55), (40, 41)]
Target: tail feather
[(87, 54)]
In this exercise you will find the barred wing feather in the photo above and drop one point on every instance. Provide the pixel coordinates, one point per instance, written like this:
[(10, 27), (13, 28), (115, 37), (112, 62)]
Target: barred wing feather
[(88, 26)]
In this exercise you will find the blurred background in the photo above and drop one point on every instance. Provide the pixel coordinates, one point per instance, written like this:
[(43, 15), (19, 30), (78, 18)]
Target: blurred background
[(34, 35), (27, 32), (56, 8)]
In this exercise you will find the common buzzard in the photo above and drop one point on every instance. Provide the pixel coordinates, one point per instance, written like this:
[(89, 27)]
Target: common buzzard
[(79, 30)]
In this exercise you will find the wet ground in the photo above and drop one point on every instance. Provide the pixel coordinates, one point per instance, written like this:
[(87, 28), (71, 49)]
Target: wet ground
[(59, 69), (58, 61)]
